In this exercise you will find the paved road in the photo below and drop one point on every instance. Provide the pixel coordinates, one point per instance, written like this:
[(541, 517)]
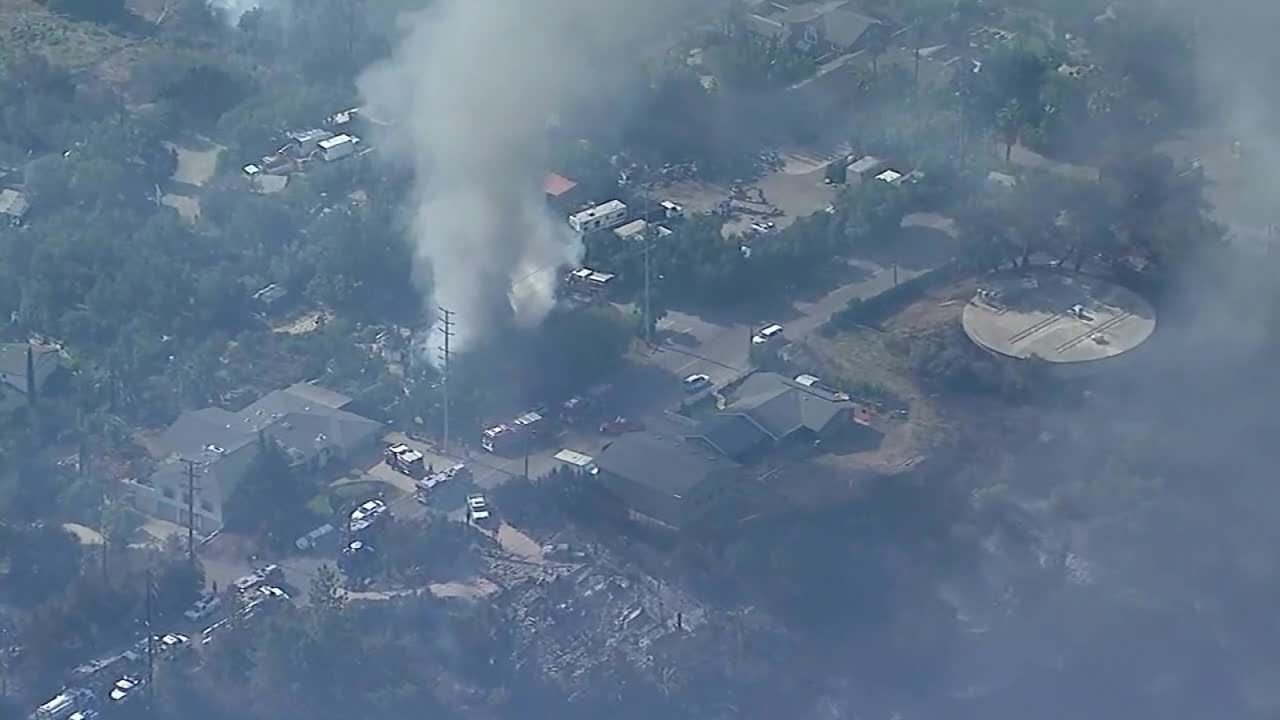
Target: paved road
[(721, 348)]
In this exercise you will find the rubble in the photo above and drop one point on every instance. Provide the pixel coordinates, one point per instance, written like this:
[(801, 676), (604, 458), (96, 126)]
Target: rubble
[(575, 620)]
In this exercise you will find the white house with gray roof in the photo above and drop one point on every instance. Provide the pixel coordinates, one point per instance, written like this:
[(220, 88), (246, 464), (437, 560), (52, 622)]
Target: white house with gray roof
[(307, 422)]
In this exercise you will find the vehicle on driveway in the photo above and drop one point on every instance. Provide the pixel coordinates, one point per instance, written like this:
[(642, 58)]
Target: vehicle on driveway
[(126, 688), (477, 509), (766, 334), (696, 383), (406, 460), (363, 517), (266, 573), (170, 644)]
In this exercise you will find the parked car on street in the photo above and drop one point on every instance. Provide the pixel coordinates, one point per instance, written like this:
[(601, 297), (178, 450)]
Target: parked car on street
[(477, 509), (126, 688), (696, 383), (169, 644)]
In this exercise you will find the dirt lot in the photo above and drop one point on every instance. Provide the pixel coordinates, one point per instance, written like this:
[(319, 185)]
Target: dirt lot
[(789, 193), (197, 161), (304, 324), (878, 357)]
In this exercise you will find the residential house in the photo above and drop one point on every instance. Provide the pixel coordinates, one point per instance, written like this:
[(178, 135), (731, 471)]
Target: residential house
[(665, 480), (13, 365), (307, 422), (820, 25), (768, 410)]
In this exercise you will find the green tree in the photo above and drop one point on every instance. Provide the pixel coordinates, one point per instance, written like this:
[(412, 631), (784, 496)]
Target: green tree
[(270, 499), (41, 561)]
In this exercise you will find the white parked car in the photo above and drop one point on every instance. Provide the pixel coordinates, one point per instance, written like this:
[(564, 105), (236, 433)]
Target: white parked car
[(766, 334), (172, 642), (125, 688), (477, 508), (363, 517), (694, 383), (271, 592), (369, 510)]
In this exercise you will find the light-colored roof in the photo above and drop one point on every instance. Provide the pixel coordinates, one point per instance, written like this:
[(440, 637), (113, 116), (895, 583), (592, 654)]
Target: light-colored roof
[(573, 457), (1030, 315), (631, 229), (808, 12), (13, 203), (865, 164), (336, 141), (303, 136), (601, 209)]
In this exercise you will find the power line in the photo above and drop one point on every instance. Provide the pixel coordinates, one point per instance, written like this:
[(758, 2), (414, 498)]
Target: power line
[(446, 329)]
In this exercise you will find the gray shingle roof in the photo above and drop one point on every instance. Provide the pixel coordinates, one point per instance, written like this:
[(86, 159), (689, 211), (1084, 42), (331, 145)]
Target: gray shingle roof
[(780, 407), (666, 465), (296, 417), (733, 435), (844, 27)]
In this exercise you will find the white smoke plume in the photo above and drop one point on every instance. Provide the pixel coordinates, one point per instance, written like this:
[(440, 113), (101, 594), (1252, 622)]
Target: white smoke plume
[(233, 9), (471, 89)]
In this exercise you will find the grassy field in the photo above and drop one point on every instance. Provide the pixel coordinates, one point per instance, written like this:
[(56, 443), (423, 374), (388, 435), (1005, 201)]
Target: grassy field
[(28, 27)]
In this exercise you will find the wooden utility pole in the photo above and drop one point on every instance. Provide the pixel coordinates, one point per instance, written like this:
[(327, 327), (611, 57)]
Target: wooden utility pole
[(191, 509), (648, 324), (151, 641), (446, 329), (528, 443)]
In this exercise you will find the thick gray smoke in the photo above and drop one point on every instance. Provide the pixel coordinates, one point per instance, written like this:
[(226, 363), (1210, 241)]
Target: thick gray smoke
[(472, 89)]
